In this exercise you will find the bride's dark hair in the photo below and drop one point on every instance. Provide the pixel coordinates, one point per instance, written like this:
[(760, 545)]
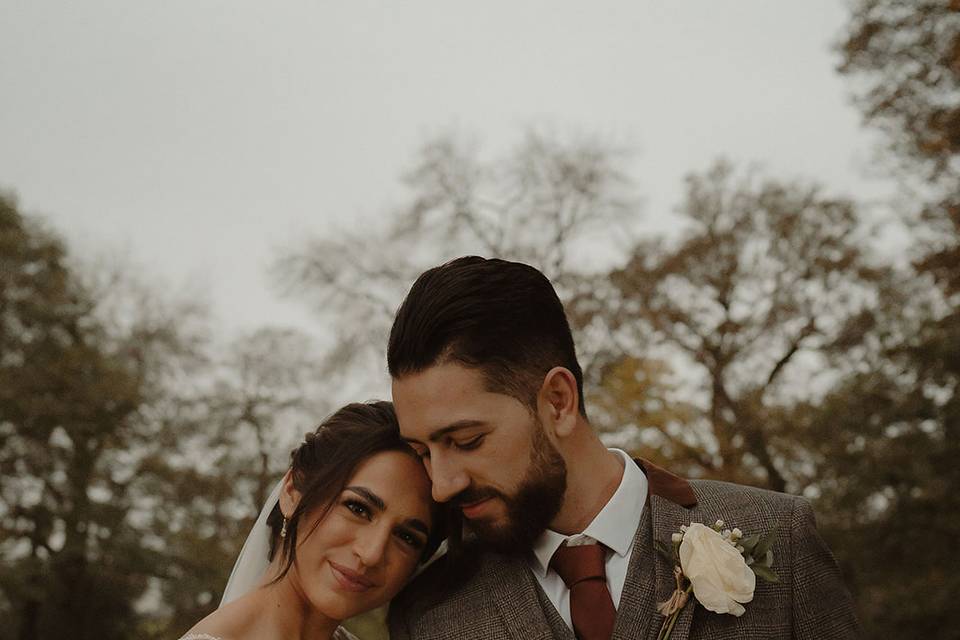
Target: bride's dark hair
[(325, 461)]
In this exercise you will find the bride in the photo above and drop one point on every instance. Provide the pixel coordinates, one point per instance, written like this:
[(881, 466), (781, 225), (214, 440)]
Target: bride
[(343, 532)]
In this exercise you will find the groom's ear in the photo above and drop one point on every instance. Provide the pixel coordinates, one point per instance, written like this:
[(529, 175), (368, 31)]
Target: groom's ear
[(289, 496), (559, 401)]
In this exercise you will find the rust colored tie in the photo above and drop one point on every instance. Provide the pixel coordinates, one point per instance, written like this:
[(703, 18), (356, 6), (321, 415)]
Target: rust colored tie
[(591, 608)]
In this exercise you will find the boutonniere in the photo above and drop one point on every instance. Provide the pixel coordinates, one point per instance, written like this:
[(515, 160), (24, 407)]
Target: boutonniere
[(720, 566)]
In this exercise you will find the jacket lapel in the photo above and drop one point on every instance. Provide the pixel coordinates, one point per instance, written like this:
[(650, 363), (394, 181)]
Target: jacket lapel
[(666, 485), (668, 503), (667, 517)]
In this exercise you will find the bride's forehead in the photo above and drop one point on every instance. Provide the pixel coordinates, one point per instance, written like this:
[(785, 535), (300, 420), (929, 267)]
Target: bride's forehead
[(394, 476), (385, 464)]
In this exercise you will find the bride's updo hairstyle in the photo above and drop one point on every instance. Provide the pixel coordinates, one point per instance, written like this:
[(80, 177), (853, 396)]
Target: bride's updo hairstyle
[(323, 464)]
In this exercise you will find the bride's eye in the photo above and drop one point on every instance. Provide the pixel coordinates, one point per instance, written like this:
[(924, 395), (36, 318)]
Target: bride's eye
[(410, 539), (357, 508)]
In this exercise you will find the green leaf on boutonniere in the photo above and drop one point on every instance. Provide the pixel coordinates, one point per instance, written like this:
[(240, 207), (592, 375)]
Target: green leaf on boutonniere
[(664, 550), (749, 543), (764, 545), (765, 572)]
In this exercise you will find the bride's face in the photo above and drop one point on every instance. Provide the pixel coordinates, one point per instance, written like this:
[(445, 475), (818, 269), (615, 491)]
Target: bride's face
[(368, 544)]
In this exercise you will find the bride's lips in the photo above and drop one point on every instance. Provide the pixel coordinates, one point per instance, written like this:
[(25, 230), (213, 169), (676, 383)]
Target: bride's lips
[(350, 579), (475, 509)]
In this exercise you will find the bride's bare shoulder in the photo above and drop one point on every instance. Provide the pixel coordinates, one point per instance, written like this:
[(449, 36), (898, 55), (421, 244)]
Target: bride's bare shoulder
[(242, 619), (339, 634), (230, 622)]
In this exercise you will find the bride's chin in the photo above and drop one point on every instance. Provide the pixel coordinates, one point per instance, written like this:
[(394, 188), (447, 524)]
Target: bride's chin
[(334, 607), (321, 593), (325, 599)]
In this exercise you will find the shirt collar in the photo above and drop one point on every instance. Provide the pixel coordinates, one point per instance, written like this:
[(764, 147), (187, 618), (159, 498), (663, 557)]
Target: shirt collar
[(614, 526)]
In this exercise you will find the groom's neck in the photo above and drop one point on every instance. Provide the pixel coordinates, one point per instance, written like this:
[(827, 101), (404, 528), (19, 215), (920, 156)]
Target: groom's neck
[(593, 475)]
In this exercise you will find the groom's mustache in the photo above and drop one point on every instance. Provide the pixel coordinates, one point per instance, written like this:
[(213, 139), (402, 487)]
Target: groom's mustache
[(471, 495)]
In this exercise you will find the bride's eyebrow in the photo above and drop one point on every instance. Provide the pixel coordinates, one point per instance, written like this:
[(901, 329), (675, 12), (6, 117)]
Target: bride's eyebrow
[(418, 525), (373, 498)]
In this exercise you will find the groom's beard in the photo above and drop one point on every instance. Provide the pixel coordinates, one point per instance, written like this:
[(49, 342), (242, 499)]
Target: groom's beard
[(531, 508)]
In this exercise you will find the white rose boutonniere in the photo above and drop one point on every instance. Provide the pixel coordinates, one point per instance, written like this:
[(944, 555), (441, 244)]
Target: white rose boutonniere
[(718, 565), (720, 577)]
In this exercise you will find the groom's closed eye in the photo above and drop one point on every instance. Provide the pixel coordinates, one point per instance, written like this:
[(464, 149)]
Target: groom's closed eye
[(461, 435), (470, 443), (462, 444)]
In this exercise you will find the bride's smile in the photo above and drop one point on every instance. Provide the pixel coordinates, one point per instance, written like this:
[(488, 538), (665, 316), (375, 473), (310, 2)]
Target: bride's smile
[(350, 580)]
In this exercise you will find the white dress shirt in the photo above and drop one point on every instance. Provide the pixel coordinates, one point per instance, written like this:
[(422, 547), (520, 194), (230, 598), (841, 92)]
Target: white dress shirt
[(615, 526)]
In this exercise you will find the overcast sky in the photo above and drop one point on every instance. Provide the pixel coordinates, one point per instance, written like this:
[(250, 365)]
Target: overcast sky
[(202, 136)]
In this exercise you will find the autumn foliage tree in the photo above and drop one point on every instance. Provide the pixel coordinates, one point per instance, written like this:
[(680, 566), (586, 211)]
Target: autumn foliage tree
[(904, 61), (113, 522), (748, 305), (889, 432)]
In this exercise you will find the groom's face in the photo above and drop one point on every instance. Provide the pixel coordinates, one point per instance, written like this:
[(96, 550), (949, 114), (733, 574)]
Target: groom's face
[(485, 453)]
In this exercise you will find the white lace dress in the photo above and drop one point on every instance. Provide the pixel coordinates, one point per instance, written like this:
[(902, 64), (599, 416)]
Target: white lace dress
[(339, 634)]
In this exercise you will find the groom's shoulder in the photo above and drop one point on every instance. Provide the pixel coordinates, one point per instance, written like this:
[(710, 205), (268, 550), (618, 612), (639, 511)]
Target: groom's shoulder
[(743, 505), (703, 495), (709, 491), (445, 580)]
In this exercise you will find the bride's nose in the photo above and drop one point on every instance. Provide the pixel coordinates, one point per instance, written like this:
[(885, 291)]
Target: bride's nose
[(370, 544)]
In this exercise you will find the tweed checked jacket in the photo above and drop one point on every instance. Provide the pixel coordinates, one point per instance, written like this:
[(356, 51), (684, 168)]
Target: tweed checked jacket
[(500, 597)]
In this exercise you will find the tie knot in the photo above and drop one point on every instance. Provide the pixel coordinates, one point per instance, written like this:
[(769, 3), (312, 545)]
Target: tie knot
[(576, 564)]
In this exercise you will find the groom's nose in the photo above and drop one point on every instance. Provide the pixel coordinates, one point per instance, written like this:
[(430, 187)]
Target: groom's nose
[(448, 479)]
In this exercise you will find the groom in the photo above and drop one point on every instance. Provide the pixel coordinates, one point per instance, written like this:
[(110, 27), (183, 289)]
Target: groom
[(488, 390)]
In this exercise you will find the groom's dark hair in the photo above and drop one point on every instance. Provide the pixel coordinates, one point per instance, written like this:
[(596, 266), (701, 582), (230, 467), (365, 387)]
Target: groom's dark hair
[(502, 318)]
